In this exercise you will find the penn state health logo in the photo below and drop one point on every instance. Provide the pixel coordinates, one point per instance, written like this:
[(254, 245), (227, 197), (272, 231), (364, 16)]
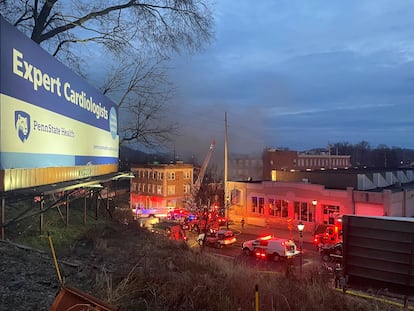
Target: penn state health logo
[(22, 124)]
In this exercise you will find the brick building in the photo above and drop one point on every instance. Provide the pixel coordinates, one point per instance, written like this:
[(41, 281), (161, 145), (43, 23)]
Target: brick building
[(161, 185), (245, 167), (286, 160), (263, 167)]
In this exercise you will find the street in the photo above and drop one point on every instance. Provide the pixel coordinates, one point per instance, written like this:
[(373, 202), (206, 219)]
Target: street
[(310, 257)]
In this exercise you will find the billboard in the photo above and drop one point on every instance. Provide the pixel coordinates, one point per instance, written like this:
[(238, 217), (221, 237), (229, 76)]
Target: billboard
[(50, 118), (379, 252)]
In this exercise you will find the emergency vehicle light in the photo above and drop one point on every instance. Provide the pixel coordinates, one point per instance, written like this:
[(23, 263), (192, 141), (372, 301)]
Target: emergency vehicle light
[(267, 237)]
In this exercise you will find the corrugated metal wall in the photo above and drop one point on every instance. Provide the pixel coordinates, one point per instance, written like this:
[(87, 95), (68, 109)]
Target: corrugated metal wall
[(13, 179), (379, 251)]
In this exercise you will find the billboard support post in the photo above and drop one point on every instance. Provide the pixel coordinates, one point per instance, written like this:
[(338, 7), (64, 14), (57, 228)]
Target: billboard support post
[(84, 209), (67, 207), (41, 205), (97, 201), (2, 216)]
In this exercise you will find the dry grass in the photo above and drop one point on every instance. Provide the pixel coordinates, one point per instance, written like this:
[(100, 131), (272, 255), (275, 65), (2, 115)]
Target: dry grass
[(157, 274), (169, 276)]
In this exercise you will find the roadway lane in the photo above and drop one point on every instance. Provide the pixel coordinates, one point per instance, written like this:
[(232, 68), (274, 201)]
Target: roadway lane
[(310, 260)]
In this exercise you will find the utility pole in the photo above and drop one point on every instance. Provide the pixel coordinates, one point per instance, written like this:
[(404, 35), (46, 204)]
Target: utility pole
[(226, 198)]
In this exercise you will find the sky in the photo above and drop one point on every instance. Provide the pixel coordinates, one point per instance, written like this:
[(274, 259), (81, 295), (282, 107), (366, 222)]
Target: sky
[(300, 74)]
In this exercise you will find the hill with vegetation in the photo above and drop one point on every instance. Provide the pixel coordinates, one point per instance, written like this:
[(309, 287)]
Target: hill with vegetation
[(133, 269)]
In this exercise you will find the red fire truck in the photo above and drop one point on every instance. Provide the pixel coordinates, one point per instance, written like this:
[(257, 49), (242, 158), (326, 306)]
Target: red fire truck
[(328, 234)]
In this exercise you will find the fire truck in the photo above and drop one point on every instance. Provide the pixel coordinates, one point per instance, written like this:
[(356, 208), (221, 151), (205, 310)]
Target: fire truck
[(207, 220), (328, 234)]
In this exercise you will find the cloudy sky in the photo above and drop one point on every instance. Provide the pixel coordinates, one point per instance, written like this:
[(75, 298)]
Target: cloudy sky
[(301, 74)]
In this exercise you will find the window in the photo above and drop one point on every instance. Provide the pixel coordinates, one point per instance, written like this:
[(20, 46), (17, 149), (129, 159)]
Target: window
[(311, 211), (187, 188), (159, 189), (187, 174), (273, 175), (171, 190), (330, 212), (278, 208), (261, 205), (304, 211), (235, 196), (143, 187), (171, 175), (272, 211), (254, 205), (285, 210)]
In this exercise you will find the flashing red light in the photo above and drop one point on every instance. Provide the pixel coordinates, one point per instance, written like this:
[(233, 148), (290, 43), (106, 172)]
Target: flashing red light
[(267, 237)]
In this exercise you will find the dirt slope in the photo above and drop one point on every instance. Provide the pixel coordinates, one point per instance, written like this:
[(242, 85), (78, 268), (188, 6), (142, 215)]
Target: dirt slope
[(29, 281)]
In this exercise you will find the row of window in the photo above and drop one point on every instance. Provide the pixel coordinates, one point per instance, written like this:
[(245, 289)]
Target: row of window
[(320, 162), (158, 175), (157, 189), (279, 208), (248, 162), (304, 211)]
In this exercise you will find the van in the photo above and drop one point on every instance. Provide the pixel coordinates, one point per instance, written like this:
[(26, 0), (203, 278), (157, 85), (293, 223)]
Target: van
[(275, 249)]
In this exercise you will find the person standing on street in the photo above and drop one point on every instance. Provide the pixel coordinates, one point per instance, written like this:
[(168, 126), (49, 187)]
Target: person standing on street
[(337, 275)]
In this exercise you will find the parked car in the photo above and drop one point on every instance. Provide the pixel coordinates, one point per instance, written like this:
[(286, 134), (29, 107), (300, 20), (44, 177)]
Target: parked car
[(216, 238)]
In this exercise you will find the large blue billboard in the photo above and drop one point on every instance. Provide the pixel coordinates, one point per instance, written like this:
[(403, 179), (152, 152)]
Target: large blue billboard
[(49, 116)]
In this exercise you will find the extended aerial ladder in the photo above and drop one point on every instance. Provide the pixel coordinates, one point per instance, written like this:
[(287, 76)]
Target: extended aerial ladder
[(203, 168), (195, 187)]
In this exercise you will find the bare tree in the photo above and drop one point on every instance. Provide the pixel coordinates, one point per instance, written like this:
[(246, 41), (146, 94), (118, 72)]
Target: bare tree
[(159, 25), (128, 30), (141, 88)]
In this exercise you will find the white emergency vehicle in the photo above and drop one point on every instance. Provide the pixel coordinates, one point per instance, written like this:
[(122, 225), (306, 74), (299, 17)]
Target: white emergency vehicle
[(271, 248)]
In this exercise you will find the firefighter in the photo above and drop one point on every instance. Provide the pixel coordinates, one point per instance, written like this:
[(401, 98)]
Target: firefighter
[(337, 275)]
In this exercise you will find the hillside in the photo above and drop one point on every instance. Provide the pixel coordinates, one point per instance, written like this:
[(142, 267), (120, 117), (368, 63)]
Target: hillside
[(132, 269)]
